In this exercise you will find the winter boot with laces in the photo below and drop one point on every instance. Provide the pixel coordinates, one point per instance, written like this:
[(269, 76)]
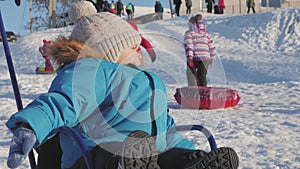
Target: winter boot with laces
[(177, 158), (139, 152), (221, 158)]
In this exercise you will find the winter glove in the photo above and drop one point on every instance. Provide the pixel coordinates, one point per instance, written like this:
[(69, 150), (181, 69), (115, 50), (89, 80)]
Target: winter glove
[(22, 143), (190, 62)]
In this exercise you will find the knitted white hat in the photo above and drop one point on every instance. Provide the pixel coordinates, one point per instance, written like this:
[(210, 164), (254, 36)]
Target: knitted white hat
[(81, 9), (106, 33)]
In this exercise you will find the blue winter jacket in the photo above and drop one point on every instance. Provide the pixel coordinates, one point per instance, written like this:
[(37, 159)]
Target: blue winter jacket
[(104, 102)]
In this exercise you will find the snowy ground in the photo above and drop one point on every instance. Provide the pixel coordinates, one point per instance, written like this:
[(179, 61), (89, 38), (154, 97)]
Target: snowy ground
[(258, 54)]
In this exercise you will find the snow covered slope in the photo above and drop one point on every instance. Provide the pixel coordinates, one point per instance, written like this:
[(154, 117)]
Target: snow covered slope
[(258, 54)]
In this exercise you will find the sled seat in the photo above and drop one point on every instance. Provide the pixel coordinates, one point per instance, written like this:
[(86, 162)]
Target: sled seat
[(87, 157)]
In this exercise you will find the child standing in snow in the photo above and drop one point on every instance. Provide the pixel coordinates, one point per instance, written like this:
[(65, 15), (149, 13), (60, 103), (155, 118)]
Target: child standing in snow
[(112, 7), (101, 92), (159, 9), (200, 52), (43, 50)]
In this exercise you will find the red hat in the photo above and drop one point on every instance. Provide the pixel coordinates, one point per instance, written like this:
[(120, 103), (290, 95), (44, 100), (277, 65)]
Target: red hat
[(145, 43)]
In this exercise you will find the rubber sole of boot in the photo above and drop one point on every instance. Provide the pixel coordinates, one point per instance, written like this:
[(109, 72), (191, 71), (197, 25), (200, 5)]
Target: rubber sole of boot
[(139, 152), (221, 158)]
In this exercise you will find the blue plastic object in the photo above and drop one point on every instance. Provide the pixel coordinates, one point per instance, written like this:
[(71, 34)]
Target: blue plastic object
[(84, 149), (205, 131)]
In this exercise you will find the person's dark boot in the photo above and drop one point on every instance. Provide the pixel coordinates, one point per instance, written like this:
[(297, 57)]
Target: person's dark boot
[(177, 158), (221, 158), (139, 152), (190, 156)]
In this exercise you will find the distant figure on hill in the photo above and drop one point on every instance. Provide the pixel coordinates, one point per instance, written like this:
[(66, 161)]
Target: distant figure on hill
[(112, 7), (177, 6), (188, 4), (120, 8), (130, 11), (44, 51), (99, 3), (159, 10), (209, 5), (217, 10), (250, 4), (221, 5), (105, 6)]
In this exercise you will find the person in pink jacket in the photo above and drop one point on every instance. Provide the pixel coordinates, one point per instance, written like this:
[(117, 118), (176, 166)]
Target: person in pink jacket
[(200, 52), (221, 5), (43, 50)]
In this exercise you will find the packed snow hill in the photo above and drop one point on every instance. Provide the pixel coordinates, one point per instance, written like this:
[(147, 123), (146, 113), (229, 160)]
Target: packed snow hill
[(257, 54)]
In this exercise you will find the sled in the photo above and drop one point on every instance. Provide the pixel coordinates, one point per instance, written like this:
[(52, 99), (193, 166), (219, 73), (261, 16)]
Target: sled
[(87, 157), (41, 70), (200, 97)]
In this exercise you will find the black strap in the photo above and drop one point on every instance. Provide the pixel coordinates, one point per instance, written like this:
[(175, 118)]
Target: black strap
[(152, 116), (154, 126)]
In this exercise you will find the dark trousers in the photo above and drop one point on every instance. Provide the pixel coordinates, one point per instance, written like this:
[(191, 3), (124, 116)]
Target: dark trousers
[(188, 10), (129, 14), (102, 159), (209, 7), (49, 154), (105, 158), (119, 12), (197, 76), (177, 9), (253, 10)]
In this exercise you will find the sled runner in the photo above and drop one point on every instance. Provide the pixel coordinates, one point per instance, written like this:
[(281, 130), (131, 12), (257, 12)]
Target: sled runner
[(199, 97)]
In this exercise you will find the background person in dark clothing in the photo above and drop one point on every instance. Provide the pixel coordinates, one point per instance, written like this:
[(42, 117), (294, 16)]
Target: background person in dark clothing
[(120, 8), (105, 6), (188, 4), (177, 4), (158, 9), (250, 4), (209, 5), (130, 11), (99, 3)]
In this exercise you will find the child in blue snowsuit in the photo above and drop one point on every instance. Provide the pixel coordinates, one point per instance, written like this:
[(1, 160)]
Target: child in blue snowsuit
[(103, 98)]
